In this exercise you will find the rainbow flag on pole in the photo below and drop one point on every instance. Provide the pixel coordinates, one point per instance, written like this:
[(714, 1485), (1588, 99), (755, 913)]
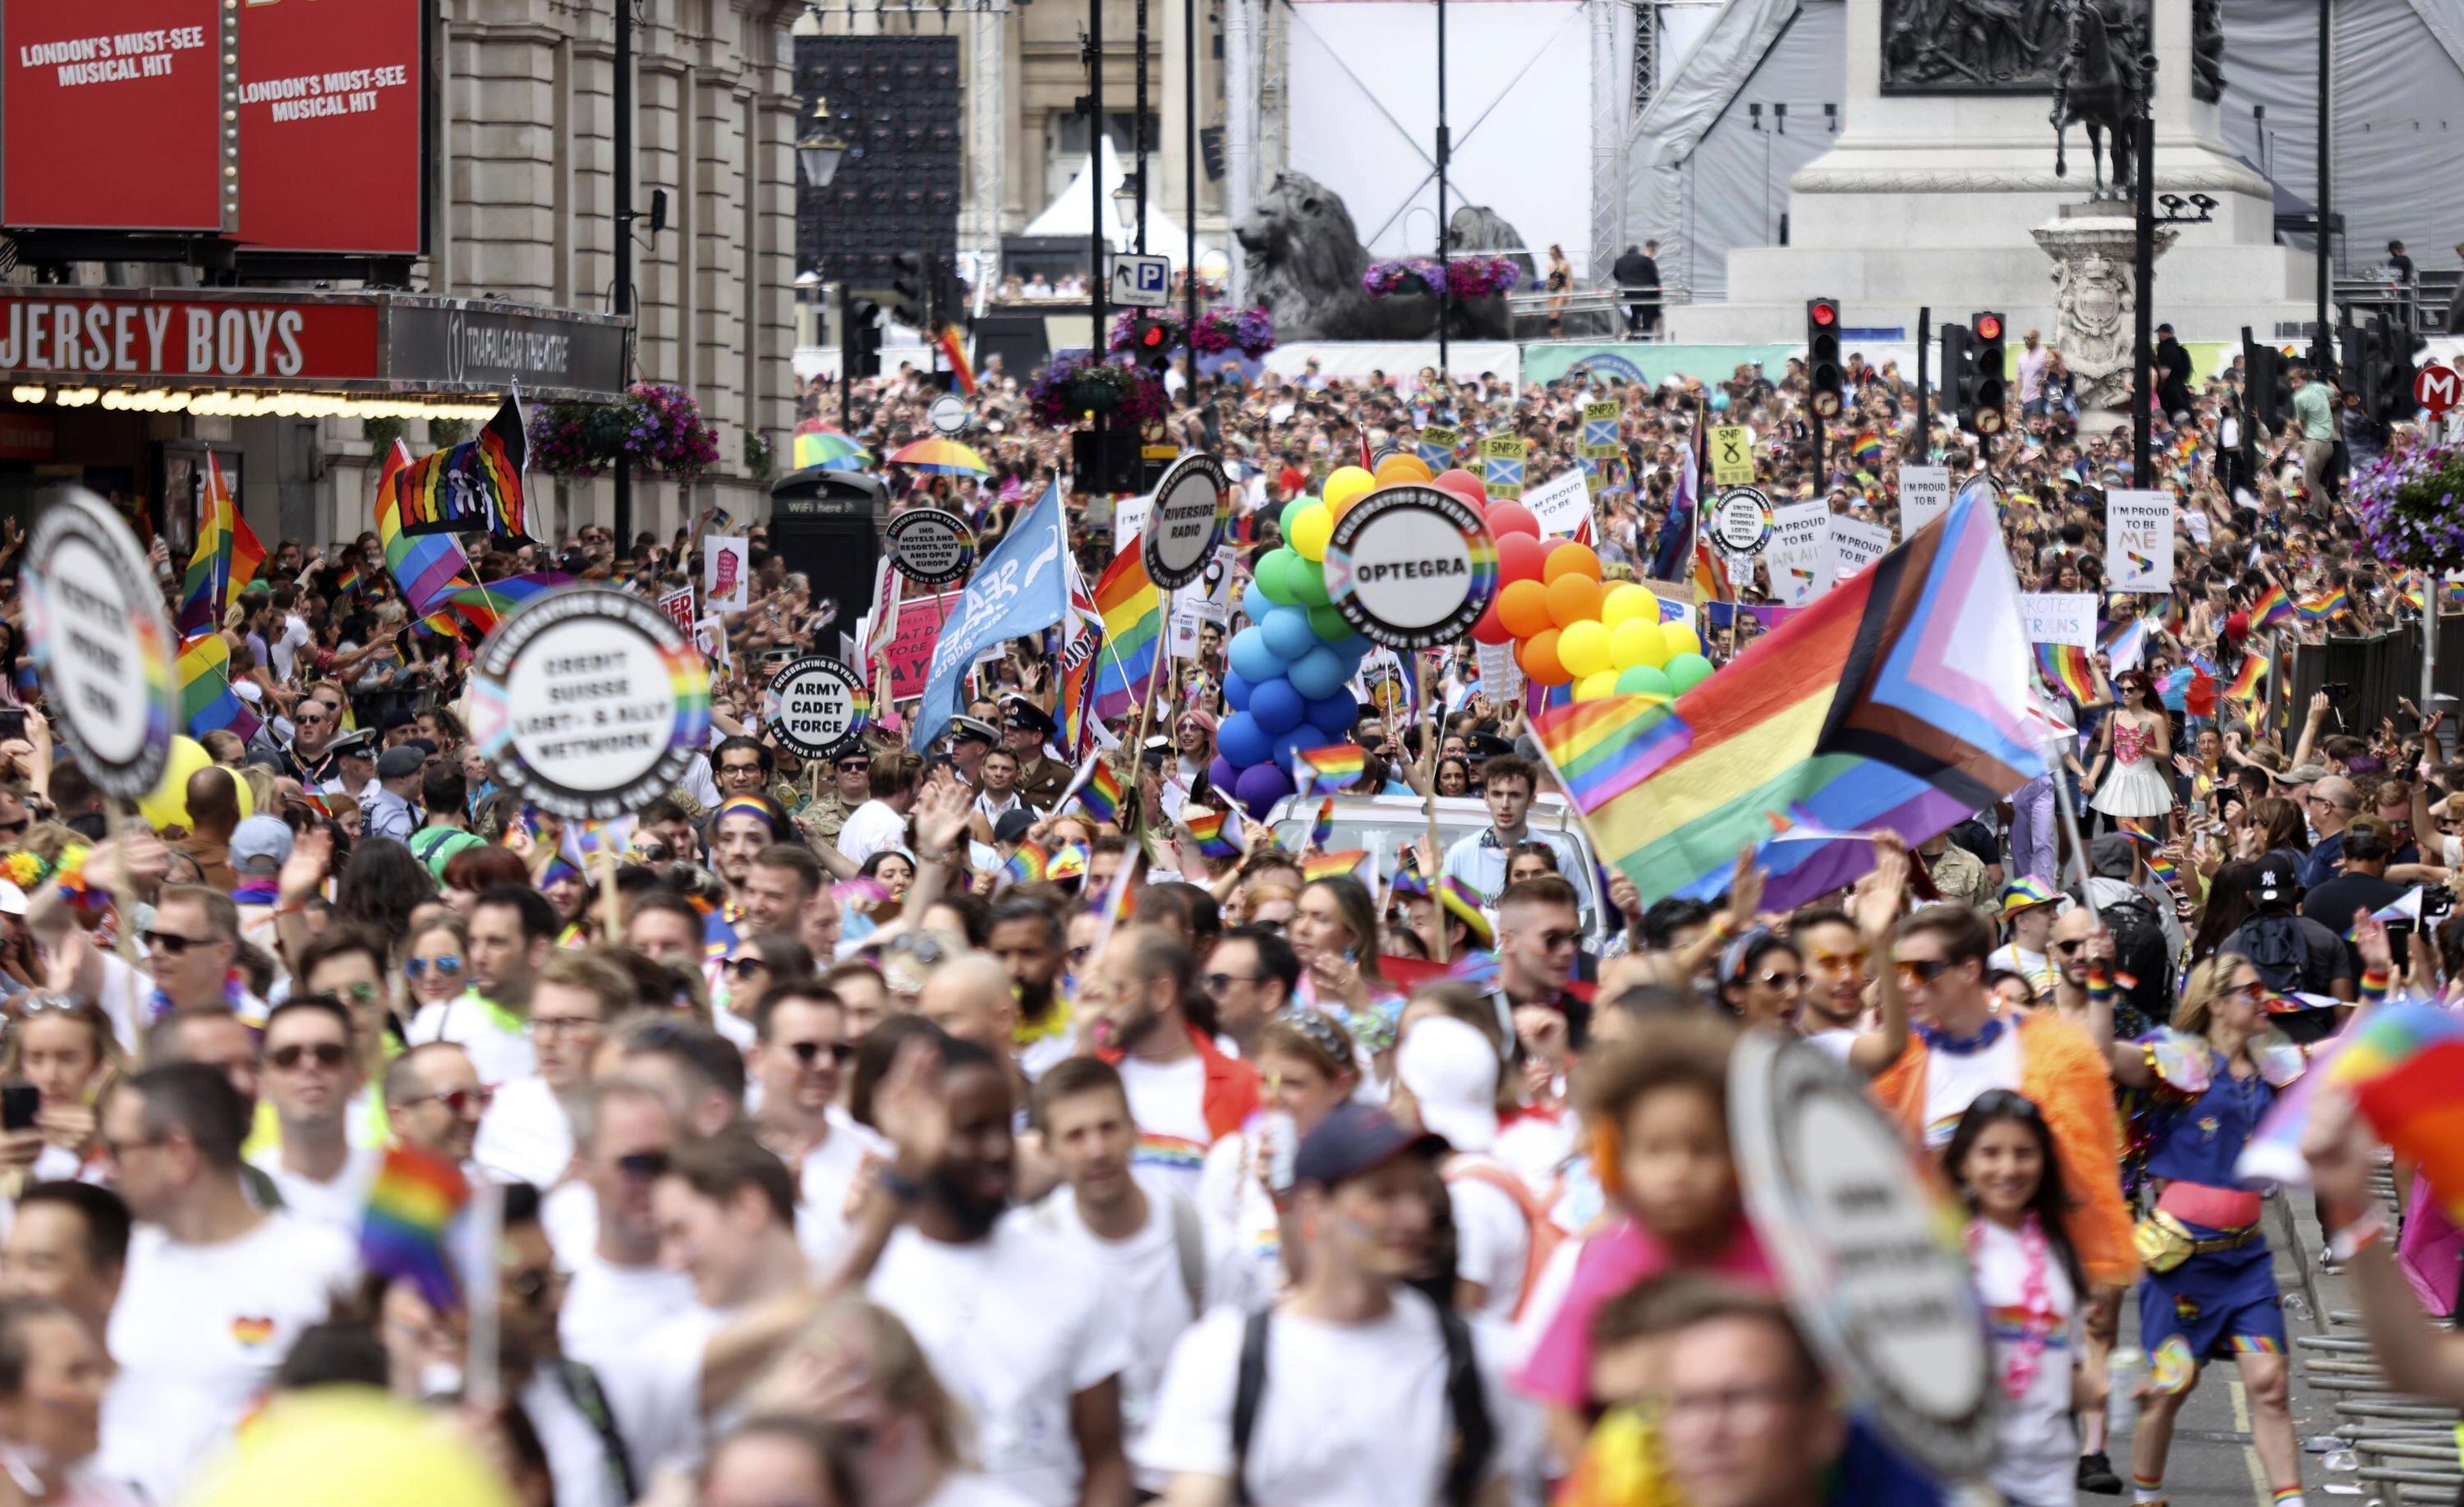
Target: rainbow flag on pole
[(2405, 1065), (2067, 666), (226, 558), (407, 1229), (2322, 607), (473, 487), (206, 701), (1901, 699), (1132, 614), (1320, 771), (1216, 834), (2273, 609), (2245, 682)]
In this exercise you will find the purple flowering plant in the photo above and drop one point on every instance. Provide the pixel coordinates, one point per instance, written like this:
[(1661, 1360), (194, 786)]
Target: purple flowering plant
[(2408, 502)]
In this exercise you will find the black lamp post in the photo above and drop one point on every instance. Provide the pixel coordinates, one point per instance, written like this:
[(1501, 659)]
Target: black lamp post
[(2143, 344)]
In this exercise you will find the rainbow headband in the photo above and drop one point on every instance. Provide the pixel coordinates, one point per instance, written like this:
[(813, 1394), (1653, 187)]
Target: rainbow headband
[(747, 806)]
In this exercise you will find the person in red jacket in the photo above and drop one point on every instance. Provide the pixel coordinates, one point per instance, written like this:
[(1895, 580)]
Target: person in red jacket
[(1184, 1093)]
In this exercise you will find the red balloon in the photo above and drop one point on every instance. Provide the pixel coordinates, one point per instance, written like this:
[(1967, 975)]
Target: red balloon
[(1520, 557), (1488, 630), (1463, 483), (1513, 518)]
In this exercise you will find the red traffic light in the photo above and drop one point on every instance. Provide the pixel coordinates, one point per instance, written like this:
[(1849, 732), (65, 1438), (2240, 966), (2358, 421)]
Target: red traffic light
[(1152, 335), (1989, 327), (1823, 312)]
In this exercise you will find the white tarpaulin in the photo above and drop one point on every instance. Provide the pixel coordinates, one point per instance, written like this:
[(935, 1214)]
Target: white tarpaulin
[(1070, 213)]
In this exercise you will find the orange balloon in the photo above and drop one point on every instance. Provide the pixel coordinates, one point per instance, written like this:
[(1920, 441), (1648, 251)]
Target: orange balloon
[(1400, 466), (1538, 657), (1572, 598), (1570, 559), (1523, 606)]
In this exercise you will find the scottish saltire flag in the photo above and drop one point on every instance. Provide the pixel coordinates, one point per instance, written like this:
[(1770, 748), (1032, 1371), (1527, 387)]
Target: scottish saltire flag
[(1899, 699), (1435, 447), (1502, 473), (1018, 589), (226, 558), (1600, 431)]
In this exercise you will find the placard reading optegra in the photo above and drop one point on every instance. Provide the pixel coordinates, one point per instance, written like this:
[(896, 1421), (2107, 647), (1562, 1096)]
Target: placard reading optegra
[(101, 645), (932, 547), (1193, 506), (1411, 567), (818, 707), (590, 701)]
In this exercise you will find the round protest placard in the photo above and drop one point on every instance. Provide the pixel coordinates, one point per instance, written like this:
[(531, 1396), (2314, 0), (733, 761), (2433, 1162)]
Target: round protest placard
[(1411, 567), (1742, 522), (101, 645), (818, 707), (590, 701), (1867, 1251), (1193, 506), (948, 414), (932, 547)]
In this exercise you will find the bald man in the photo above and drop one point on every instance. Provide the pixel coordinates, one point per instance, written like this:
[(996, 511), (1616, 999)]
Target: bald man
[(2332, 805), (213, 811), (970, 998), (435, 1102)]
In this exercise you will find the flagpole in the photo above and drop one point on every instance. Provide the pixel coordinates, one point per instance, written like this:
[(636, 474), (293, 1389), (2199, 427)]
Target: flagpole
[(1429, 803), (1566, 788)]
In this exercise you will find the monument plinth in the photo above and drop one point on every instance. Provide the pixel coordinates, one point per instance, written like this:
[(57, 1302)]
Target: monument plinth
[(1943, 173)]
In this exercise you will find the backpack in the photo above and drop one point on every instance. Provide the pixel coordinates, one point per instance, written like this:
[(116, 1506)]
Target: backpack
[(1467, 1404), (1541, 1235), (2278, 949), (2141, 951)]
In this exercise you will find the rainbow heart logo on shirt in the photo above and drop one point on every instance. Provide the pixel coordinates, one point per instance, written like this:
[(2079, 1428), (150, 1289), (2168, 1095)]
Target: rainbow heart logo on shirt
[(251, 1332)]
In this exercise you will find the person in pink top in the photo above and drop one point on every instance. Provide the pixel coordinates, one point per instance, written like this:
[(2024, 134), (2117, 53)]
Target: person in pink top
[(1656, 1106)]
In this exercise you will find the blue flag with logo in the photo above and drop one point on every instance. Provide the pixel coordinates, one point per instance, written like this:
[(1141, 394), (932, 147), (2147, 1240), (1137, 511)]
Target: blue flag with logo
[(1018, 589)]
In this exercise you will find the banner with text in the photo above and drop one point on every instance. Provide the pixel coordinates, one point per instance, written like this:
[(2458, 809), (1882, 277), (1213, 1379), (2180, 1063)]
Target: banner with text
[(2059, 617), (2139, 539)]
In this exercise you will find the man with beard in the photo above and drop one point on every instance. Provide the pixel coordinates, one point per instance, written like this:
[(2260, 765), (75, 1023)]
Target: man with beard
[(741, 827), (310, 759), (1838, 950), (1029, 940), (1184, 1093), (1040, 1356)]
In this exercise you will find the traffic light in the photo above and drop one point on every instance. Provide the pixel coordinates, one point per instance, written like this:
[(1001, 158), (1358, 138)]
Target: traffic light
[(1822, 375), (912, 286), (860, 343), (1991, 408), (2266, 394), (1959, 374), (2399, 348), (1210, 146), (2364, 349), (1151, 343)]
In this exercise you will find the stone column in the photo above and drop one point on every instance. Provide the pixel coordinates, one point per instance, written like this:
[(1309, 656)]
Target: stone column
[(989, 114), (2095, 299)]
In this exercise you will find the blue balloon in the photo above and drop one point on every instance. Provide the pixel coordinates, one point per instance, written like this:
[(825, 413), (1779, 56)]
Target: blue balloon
[(1241, 741), (1251, 659), (1236, 690), (1286, 744), (1319, 673), (1333, 715), (1355, 647), (1260, 787), (1287, 632), (1256, 604), (1276, 707)]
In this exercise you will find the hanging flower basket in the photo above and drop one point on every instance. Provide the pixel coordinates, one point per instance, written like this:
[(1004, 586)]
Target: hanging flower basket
[(2412, 507), (1065, 391), (657, 431), (1481, 276), (1403, 276), (1250, 331)]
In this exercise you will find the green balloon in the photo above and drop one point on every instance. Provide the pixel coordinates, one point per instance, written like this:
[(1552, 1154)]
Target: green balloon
[(1328, 623), (1686, 672), (1293, 509), (1643, 680), (1274, 576), (1307, 580)]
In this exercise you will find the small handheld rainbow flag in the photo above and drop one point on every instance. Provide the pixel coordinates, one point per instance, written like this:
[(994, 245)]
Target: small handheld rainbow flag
[(1070, 863), (2320, 608), (1868, 449), (2404, 1064), (2066, 665), (2273, 609), (1320, 771), (1027, 865), (1101, 795), (411, 1209), (954, 347), (1215, 832), (1339, 864), (1408, 877), (2245, 681), (1322, 830)]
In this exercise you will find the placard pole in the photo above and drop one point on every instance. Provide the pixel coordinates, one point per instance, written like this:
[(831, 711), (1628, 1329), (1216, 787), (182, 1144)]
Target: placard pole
[(123, 893), (1429, 802)]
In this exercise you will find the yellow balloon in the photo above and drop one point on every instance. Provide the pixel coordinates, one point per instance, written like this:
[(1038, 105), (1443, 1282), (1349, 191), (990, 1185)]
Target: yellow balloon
[(1681, 639), (1628, 602), (1343, 486), (1583, 648), (392, 1454), (1312, 530), (1637, 642), (166, 804), (1592, 687)]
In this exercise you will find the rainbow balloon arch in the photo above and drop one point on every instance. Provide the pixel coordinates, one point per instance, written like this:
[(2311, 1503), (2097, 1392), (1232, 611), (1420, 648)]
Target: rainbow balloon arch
[(1290, 672)]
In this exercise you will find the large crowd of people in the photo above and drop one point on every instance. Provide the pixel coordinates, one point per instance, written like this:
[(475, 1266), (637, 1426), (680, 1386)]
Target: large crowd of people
[(841, 1158)]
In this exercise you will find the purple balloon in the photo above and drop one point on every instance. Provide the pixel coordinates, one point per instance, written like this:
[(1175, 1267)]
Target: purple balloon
[(1221, 775), (1260, 787)]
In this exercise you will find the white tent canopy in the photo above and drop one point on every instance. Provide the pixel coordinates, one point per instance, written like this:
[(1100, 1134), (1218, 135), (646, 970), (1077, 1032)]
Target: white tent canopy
[(1070, 213)]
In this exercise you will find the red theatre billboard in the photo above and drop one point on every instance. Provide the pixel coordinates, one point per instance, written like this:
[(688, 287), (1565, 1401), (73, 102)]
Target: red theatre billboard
[(330, 109), (112, 114)]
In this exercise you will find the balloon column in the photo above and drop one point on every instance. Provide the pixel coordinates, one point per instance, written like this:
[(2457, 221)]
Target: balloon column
[(1289, 670), (1569, 627)]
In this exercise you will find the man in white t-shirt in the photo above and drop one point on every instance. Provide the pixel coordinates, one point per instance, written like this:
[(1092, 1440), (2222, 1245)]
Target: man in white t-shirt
[(215, 1291), (512, 931), (310, 1075), (1032, 1349), (800, 1049), (626, 1133), (1128, 1234), (1183, 1091), (68, 1242), (1446, 1074), (435, 1102), (881, 823), (1366, 1384), (528, 1134)]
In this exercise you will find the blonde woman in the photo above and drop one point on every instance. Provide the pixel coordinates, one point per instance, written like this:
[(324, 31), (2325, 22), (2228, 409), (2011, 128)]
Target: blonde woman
[(67, 1052)]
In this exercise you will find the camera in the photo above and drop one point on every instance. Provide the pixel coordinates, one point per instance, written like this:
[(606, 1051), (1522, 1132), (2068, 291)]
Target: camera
[(2337, 693)]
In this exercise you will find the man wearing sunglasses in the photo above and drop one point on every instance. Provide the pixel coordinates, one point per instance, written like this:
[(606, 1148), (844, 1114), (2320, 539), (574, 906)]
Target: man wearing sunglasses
[(601, 1222), (435, 1100), (190, 948), (309, 1071), (801, 1051)]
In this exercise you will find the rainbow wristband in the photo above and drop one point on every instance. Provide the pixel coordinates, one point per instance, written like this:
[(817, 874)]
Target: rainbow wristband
[(2375, 982)]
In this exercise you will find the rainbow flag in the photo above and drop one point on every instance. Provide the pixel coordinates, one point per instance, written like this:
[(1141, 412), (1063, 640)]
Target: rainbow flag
[(2320, 608), (350, 584), (1319, 772), (1132, 613), (1339, 864), (1214, 832), (412, 1207), (2273, 609), (2244, 686), (1070, 863), (1899, 699), (1082, 652), (473, 487), (2166, 872), (2405, 1065), (2124, 644), (2415, 589), (1026, 867), (436, 576), (1868, 449), (2067, 666), (226, 558), (206, 701), (1710, 581), (1101, 796), (1408, 879), (1459, 901), (954, 348), (1322, 829)]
